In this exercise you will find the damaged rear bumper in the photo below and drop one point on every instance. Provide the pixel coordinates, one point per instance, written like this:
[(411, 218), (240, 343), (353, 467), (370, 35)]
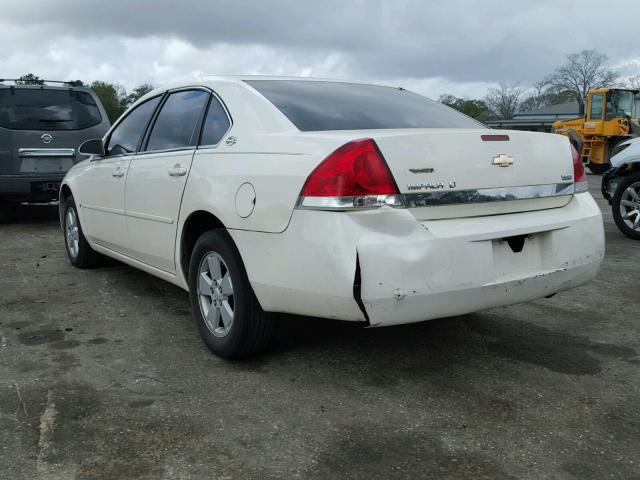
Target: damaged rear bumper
[(387, 268)]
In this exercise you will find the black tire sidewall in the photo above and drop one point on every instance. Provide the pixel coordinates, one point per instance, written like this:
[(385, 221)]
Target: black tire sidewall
[(598, 168), (218, 241), (615, 206)]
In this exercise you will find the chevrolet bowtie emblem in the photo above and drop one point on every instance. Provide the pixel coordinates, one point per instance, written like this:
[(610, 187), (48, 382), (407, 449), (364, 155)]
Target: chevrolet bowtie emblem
[(502, 160)]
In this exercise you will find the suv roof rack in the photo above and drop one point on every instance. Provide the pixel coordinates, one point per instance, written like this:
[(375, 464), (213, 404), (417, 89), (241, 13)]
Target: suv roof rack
[(44, 82)]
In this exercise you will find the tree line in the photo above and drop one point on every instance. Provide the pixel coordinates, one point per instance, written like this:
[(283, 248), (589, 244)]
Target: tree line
[(582, 71), (113, 96)]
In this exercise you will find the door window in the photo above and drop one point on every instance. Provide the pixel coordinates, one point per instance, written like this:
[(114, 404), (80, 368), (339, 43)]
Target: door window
[(595, 113), (216, 123), (125, 137), (177, 125)]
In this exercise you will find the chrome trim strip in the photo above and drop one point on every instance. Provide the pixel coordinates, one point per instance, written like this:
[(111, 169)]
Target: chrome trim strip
[(485, 195), (104, 209), (146, 216), (47, 152), (363, 202)]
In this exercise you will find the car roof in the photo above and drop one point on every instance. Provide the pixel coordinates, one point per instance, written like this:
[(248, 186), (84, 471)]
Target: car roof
[(46, 87), (213, 81)]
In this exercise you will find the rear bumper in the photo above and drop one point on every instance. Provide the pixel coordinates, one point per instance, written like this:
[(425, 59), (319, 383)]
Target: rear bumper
[(46, 185), (411, 271)]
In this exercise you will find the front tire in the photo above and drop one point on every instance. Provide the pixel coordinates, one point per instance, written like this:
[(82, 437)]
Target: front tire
[(227, 312), (79, 252), (626, 206)]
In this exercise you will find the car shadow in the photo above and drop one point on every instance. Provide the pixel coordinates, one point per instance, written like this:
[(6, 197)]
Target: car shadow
[(439, 344), (16, 213)]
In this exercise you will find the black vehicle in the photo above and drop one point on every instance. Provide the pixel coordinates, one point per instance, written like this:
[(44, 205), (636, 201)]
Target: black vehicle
[(41, 127)]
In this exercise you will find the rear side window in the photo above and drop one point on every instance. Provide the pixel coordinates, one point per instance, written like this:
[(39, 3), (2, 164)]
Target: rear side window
[(178, 121), (47, 109), (318, 105), (127, 134), (216, 123)]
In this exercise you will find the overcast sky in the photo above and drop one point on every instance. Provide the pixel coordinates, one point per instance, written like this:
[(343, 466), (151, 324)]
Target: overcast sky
[(448, 46)]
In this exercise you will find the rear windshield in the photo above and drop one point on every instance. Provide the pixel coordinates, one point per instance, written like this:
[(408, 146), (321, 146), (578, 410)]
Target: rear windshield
[(46, 109), (319, 105)]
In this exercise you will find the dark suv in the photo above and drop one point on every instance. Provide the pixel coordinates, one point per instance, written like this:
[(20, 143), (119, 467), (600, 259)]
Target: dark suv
[(41, 127)]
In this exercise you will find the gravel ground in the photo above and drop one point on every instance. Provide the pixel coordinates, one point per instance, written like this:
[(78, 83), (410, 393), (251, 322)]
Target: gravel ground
[(103, 376)]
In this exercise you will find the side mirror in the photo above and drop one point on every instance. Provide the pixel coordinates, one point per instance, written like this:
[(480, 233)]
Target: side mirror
[(92, 147)]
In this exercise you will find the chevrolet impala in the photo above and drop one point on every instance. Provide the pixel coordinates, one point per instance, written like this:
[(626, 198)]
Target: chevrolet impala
[(366, 203)]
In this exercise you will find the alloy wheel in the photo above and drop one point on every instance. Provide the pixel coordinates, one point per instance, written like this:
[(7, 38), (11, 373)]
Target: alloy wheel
[(215, 292), (72, 232), (630, 206)]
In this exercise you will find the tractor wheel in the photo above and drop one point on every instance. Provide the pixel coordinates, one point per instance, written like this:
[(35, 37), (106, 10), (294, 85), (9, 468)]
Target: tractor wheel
[(598, 168)]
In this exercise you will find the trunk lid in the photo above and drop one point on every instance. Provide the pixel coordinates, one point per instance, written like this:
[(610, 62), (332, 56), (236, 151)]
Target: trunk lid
[(447, 173)]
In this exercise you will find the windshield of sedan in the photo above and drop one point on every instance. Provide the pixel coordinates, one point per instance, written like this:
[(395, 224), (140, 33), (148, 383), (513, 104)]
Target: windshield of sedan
[(321, 105), (47, 109)]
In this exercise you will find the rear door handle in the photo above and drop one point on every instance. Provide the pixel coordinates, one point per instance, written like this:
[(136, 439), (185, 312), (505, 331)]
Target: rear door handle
[(177, 171), (117, 172)]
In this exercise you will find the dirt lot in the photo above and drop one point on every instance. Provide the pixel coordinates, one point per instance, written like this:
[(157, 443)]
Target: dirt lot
[(102, 375)]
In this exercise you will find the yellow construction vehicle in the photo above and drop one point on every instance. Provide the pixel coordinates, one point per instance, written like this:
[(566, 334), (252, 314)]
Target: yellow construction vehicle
[(611, 118)]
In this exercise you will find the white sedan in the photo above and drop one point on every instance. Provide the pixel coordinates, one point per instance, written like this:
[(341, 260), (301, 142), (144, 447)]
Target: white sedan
[(330, 199)]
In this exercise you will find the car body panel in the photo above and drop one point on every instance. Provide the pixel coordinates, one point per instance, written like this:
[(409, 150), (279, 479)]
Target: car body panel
[(155, 184), (622, 163), (413, 271)]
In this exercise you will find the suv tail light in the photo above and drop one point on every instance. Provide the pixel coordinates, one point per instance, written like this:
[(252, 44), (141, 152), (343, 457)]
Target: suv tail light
[(355, 176), (580, 182)]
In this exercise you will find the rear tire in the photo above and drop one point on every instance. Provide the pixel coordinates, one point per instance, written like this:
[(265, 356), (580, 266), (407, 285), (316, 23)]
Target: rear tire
[(225, 308), (625, 206), (79, 252), (598, 168)]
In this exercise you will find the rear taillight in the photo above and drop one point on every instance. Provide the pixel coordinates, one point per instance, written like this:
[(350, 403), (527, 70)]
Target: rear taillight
[(355, 176), (580, 182)]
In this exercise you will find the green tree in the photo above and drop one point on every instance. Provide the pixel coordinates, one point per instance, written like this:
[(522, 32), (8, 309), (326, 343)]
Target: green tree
[(76, 83), (29, 79), (474, 108), (135, 94), (111, 95)]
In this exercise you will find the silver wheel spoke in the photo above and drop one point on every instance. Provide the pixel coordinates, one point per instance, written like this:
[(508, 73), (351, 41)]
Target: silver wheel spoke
[(204, 284), (627, 203), (225, 285), (227, 314), (213, 317), (632, 191), (214, 267)]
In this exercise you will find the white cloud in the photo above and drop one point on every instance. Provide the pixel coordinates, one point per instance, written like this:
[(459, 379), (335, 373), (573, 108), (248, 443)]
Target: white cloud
[(460, 46)]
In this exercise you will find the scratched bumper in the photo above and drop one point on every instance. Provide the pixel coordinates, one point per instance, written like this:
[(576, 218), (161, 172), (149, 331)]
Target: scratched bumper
[(454, 267), (387, 267)]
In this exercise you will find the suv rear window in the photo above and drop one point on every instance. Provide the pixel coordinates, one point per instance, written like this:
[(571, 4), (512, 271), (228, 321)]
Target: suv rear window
[(47, 109), (321, 105)]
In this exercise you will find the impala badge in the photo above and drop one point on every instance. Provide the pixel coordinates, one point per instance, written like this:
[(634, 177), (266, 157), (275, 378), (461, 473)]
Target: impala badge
[(502, 160)]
